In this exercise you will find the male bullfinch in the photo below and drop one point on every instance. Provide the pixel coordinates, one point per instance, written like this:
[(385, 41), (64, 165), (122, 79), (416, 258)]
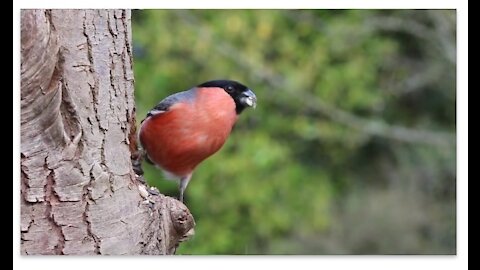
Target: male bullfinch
[(187, 127)]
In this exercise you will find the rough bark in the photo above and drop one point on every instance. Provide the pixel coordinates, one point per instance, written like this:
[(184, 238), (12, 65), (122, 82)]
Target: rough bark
[(79, 194)]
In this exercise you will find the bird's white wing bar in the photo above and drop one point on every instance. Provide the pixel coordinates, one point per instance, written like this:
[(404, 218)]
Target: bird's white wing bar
[(155, 112)]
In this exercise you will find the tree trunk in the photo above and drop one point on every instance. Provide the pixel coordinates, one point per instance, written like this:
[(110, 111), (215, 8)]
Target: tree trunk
[(79, 194)]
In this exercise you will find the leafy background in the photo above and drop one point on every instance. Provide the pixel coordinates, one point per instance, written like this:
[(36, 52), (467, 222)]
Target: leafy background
[(351, 149)]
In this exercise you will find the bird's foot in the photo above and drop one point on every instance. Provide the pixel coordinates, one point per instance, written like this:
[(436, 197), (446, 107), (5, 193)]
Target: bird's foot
[(137, 167)]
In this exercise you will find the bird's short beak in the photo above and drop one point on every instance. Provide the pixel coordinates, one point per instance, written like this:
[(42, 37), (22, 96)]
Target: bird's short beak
[(248, 98)]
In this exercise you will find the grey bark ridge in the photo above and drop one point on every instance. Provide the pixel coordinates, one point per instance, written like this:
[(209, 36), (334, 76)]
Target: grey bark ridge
[(79, 194)]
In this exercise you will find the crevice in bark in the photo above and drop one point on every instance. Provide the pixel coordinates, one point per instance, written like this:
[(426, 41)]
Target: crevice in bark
[(89, 230), (110, 28), (51, 199), (87, 198), (113, 85), (23, 178), (70, 119), (110, 182), (27, 228), (127, 40), (48, 15)]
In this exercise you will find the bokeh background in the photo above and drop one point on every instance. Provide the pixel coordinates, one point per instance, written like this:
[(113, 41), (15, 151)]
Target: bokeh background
[(351, 149)]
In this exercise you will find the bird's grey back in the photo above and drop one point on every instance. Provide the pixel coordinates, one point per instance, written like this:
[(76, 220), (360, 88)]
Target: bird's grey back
[(167, 102)]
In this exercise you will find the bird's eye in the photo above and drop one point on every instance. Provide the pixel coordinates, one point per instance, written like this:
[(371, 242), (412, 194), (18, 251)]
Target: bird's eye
[(229, 89)]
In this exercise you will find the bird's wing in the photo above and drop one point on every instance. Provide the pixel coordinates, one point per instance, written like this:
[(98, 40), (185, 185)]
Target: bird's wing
[(166, 103)]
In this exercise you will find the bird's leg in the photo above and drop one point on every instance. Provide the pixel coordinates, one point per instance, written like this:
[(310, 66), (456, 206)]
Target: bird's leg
[(183, 185)]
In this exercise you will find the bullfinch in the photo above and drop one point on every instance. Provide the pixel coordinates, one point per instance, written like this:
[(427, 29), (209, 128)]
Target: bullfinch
[(187, 127)]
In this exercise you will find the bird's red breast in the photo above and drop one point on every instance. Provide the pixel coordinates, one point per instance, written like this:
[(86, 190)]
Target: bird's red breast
[(190, 130)]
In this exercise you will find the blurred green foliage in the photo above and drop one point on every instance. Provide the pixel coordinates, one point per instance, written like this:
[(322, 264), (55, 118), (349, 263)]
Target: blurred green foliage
[(351, 149)]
